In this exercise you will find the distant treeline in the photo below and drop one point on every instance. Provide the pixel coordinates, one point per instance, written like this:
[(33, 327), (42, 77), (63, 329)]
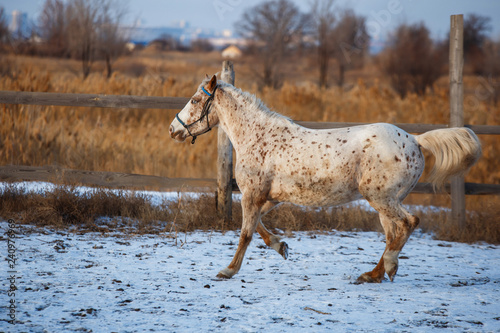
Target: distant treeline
[(276, 31)]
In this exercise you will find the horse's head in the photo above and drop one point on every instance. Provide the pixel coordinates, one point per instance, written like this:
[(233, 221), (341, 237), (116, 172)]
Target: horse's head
[(198, 116)]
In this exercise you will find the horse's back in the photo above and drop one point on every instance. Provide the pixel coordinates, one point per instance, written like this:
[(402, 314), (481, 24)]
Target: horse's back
[(326, 167)]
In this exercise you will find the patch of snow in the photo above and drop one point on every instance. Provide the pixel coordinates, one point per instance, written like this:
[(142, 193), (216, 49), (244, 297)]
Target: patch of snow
[(71, 282)]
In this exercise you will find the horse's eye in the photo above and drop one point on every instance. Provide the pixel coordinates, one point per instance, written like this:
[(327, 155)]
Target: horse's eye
[(194, 101)]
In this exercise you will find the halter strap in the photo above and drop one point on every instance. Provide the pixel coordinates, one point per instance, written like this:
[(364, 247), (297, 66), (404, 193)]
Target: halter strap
[(206, 92)]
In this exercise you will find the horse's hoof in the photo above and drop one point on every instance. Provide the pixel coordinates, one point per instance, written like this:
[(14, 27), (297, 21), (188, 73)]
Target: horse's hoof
[(367, 278), (391, 272), (392, 275), (283, 250), (224, 274), (221, 276)]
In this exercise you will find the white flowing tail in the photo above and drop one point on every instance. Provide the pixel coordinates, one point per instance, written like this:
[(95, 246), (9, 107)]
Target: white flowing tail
[(455, 150)]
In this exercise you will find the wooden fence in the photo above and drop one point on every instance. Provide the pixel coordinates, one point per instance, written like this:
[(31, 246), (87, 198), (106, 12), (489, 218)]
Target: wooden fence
[(225, 183)]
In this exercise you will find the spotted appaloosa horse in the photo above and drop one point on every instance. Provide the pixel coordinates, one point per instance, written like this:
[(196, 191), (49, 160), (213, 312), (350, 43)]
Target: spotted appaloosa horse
[(280, 161)]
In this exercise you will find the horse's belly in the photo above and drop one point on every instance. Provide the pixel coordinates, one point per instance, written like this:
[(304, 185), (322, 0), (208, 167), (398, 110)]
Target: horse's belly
[(309, 192)]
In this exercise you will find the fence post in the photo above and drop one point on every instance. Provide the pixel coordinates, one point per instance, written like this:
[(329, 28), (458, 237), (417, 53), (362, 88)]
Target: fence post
[(225, 159), (457, 111)]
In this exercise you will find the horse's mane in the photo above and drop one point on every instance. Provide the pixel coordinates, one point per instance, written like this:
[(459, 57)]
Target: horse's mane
[(255, 103)]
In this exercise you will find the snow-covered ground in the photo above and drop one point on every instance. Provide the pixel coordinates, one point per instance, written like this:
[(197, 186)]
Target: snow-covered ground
[(69, 282)]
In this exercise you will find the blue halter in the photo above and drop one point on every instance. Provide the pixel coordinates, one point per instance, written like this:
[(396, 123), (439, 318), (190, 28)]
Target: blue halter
[(206, 92)]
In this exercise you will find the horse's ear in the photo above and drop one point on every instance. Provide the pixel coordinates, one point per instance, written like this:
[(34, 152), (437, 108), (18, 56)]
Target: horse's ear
[(212, 83), (207, 77)]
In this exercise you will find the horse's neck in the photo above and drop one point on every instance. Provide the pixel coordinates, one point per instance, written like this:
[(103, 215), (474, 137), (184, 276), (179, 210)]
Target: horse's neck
[(243, 117)]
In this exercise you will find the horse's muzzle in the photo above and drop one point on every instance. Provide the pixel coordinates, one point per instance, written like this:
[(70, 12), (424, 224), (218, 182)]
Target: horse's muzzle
[(176, 135)]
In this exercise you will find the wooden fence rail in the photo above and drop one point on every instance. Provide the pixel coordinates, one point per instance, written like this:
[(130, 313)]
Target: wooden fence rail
[(16, 173), (176, 103), (90, 100)]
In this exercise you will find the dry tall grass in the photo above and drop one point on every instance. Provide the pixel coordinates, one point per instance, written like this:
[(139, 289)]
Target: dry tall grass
[(137, 141), (105, 211)]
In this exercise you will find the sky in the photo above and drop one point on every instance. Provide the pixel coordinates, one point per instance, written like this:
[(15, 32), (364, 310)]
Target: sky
[(382, 15)]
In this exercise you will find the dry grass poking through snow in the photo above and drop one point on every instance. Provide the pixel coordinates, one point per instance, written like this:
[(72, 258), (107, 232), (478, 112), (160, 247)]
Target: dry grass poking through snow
[(67, 206), (102, 210)]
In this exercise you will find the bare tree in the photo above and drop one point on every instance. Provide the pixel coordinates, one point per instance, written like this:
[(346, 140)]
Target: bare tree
[(323, 20), (272, 26), (476, 29), (93, 31), (350, 40), (491, 69), (53, 27), (82, 18), (339, 34), (111, 39), (413, 61), (7, 67), (4, 28)]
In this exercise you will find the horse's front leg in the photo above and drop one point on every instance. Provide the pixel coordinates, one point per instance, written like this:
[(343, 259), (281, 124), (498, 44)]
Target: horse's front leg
[(251, 217)]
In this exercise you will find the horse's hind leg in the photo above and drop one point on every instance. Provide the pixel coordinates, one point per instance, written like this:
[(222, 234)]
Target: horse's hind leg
[(269, 238), (398, 225)]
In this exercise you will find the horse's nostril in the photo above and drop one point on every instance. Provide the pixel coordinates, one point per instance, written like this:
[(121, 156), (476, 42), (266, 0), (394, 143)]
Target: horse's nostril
[(171, 129)]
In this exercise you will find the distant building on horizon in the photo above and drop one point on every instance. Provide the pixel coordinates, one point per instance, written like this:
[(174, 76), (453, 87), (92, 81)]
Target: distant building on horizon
[(19, 23), (183, 33), (232, 52)]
